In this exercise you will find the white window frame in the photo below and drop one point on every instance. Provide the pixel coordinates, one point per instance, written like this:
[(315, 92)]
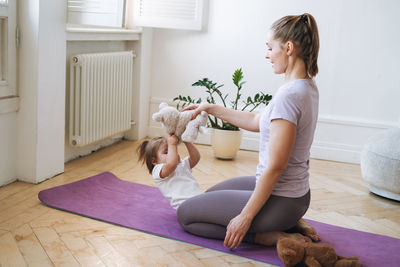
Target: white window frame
[(175, 14), (8, 51), (98, 13)]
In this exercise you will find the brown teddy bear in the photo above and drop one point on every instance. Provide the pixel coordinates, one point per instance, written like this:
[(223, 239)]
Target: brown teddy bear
[(293, 252)]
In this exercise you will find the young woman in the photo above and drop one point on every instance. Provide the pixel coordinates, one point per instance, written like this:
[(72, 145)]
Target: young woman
[(265, 207)]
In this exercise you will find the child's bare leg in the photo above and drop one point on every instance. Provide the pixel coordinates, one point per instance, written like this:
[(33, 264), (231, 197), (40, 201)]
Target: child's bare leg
[(307, 229), (271, 238)]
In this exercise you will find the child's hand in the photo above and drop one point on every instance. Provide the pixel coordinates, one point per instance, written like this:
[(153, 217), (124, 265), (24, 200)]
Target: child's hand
[(173, 140)]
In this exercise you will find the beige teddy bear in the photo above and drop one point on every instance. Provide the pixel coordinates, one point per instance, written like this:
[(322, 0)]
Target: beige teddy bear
[(180, 123)]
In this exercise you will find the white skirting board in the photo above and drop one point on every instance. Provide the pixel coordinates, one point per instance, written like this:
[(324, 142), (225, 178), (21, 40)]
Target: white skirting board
[(336, 138)]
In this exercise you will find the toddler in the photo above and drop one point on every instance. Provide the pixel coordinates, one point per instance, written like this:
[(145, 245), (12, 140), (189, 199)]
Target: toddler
[(172, 175)]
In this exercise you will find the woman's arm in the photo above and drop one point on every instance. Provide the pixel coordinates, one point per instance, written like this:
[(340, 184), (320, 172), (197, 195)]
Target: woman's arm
[(282, 138), (172, 157), (194, 155), (242, 119)]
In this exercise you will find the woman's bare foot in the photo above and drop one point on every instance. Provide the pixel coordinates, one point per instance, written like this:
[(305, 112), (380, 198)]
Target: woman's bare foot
[(271, 238), (307, 229)]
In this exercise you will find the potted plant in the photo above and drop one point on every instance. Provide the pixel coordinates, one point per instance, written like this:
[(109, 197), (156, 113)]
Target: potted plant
[(225, 137)]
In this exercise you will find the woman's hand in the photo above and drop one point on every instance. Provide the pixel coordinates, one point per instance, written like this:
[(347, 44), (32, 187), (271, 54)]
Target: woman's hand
[(198, 108), (236, 230)]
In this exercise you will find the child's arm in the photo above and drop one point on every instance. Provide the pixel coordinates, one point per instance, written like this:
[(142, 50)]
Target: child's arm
[(172, 157), (194, 155)]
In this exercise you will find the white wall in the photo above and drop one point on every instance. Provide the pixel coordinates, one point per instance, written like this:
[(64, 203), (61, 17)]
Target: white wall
[(358, 77), (40, 128), (32, 140), (358, 58), (28, 21), (51, 89)]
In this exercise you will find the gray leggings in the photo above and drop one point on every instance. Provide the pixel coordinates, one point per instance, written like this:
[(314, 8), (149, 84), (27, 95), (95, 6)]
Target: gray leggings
[(208, 214)]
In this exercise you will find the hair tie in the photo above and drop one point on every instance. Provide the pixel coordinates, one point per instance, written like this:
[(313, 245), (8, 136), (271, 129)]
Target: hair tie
[(304, 18)]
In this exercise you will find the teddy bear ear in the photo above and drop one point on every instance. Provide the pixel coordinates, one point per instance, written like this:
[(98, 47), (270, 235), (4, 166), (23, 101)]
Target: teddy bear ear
[(162, 105)]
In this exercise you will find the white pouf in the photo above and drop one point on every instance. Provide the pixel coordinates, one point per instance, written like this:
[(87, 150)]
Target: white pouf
[(380, 164)]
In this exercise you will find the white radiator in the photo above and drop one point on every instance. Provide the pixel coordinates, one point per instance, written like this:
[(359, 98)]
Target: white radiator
[(100, 96)]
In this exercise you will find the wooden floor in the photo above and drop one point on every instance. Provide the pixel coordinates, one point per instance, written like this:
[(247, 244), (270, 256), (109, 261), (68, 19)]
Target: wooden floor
[(35, 235)]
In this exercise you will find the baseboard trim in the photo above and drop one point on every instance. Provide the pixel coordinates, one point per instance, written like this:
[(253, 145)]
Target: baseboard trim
[(335, 152), (319, 150), (356, 122)]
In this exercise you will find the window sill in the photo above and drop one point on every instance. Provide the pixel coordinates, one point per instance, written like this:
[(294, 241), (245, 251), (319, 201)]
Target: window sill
[(9, 104), (79, 33)]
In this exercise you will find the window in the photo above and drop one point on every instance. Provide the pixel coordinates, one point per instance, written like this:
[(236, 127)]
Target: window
[(108, 13), (176, 14), (8, 56)]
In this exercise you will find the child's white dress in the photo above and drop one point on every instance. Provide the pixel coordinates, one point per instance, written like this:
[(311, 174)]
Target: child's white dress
[(179, 185)]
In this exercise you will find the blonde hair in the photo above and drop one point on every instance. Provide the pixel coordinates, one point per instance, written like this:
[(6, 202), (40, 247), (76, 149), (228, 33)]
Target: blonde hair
[(302, 30), (147, 151)]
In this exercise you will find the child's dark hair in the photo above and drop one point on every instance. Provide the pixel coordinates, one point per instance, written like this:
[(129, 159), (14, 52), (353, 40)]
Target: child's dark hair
[(303, 31), (147, 151)]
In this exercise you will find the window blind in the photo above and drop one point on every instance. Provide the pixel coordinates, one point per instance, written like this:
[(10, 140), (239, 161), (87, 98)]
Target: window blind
[(178, 14), (96, 12)]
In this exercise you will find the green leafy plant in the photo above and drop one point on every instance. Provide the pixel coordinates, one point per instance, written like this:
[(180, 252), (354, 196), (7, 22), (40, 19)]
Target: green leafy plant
[(213, 92)]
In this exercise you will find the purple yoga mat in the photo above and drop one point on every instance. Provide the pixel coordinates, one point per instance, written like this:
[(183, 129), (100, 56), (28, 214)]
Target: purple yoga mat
[(141, 207)]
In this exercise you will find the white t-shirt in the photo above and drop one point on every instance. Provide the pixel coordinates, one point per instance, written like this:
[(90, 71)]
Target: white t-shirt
[(179, 185), (297, 102)]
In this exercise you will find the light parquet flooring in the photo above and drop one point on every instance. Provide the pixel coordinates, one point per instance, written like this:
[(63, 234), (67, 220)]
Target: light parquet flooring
[(32, 234)]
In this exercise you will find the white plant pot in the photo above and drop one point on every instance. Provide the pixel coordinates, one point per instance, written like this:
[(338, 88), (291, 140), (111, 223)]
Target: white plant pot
[(225, 143)]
